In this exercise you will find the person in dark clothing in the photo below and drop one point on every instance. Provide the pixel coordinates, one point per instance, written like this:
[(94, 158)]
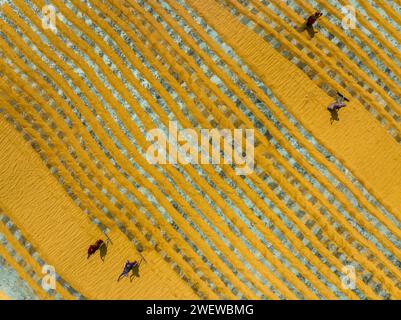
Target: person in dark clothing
[(312, 19), (127, 268), (340, 103), (94, 247), (337, 105)]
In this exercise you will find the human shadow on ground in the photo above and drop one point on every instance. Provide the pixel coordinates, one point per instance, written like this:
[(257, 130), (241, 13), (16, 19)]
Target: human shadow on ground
[(134, 272), (333, 115), (310, 30), (103, 251)]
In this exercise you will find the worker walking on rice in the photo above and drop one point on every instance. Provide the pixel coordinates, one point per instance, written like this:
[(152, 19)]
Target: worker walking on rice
[(340, 103), (128, 267), (336, 106), (312, 19), (94, 247)]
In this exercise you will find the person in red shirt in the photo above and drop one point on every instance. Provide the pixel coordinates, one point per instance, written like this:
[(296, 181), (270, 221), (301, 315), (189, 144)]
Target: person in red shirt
[(312, 19), (94, 247)]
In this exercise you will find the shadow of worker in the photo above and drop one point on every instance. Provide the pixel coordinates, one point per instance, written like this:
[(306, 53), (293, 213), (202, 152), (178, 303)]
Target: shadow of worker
[(134, 272), (333, 115), (309, 29), (103, 251)]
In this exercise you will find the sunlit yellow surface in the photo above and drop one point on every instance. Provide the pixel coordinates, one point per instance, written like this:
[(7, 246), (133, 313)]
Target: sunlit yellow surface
[(60, 231)]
